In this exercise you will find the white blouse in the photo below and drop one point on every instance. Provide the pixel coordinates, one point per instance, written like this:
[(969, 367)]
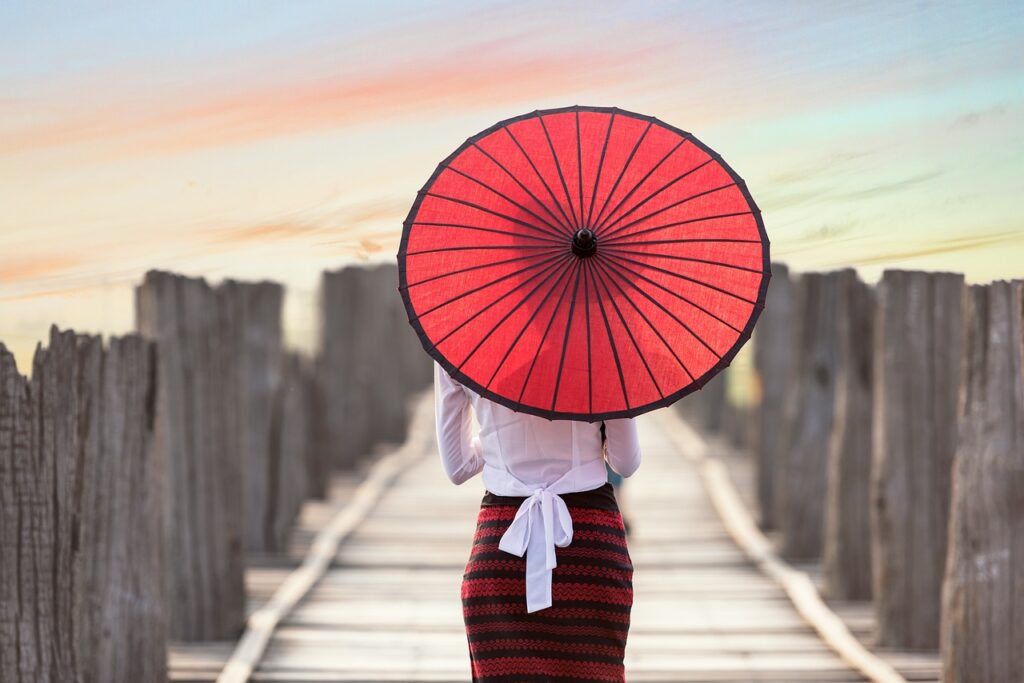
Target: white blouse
[(526, 455)]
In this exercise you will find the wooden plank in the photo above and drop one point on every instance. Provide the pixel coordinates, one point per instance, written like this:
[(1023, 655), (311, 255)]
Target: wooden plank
[(261, 624), (797, 585)]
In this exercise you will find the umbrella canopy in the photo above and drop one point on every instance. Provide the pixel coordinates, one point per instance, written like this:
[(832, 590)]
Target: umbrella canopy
[(583, 263)]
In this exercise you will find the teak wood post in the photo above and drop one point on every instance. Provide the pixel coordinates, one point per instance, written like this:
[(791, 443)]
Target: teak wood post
[(983, 594), (81, 573), (294, 461), (847, 554), (370, 360), (703, 408), (253, 340), (808, 416), (774, 338), (917, 375), (197, 446)]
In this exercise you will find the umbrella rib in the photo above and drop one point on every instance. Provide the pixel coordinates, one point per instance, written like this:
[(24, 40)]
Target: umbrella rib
[(476, 247), (673, 293), (666, 226), (550, 267), (543, 182), (674, 317), (611, 226), (629, 332), (558, 167), (468, 269), (685, 277), (646, 319), (462, 226), (564, 228), (551, 270), (611, 343), (586, 313), (604, 222), (568, 326), (554, 312), (511, 219), (622, 171), (675, 257), (673, 205), (579, 165), (600, 167), (483, 286), (526, 325), (555, 231)]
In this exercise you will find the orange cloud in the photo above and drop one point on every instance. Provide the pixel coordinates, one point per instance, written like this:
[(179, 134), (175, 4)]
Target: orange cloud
[(28, 268), (488, 73)]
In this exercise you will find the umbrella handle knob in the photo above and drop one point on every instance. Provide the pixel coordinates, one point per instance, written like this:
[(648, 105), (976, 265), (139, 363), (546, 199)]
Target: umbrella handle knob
[(584, 243)]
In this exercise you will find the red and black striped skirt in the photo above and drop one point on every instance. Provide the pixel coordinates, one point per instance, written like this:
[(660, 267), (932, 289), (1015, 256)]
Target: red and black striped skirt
[(582, 636)]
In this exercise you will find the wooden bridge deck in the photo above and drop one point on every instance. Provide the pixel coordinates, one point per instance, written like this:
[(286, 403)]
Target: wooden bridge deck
[(388, 608)]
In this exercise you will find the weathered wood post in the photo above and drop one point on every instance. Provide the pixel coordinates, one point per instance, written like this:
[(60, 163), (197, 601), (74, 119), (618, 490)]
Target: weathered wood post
[(197, 445), (774, 338), (346, 410), (847, 555), (368, 364), (703, 408), (808, 413), (254, 341), (81, 573), (917, 374), (983, 593), (293, 450)]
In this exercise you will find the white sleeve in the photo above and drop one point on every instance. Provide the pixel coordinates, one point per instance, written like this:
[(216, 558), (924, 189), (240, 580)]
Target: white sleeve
[(623, 445), (460, 450)]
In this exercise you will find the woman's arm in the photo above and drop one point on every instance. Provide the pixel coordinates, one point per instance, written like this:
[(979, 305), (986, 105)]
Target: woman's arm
[(460, 450), (623, 445)]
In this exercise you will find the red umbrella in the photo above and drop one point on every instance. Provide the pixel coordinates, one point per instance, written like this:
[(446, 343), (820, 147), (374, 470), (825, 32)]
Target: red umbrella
[(583, 263)]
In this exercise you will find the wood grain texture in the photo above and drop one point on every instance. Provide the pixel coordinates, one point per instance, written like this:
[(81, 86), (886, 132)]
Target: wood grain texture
[(81, 573), (774, 338), (917, 376), (197, 446), (803, 460), (847, 550), (983, 595)]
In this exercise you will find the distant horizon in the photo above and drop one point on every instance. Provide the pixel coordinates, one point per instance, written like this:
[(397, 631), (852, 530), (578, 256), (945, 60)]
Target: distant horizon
[(265, 141)]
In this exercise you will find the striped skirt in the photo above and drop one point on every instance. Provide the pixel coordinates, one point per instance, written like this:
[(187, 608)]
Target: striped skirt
[(582, 636)]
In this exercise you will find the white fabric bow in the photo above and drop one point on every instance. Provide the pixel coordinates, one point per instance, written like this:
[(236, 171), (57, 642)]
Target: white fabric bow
[(541, 523)]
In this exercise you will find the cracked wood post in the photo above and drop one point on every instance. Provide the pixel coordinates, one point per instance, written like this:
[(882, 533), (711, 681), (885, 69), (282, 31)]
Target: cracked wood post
[(80, 503), (917, 376), (808, 417), (197, 444), (982, 631), (774, 336), (847, 557)]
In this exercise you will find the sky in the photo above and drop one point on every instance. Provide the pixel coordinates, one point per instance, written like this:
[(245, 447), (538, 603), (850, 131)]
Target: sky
[(270, 140)]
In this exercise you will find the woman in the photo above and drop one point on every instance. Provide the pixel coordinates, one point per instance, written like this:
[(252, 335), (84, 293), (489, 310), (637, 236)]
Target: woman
[(548, 588)]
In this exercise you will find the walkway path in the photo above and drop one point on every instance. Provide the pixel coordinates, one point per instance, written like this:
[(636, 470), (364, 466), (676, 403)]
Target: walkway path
[(388, 609)]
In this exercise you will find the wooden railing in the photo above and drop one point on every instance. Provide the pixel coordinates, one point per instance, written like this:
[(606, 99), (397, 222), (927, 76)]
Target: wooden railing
[(135, 478), (887, 430)]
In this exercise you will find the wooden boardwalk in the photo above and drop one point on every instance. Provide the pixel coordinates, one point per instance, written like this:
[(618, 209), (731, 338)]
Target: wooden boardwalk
[(388, 608)]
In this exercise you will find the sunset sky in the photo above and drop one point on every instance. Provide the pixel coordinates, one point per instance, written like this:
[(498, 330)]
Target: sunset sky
[(274, 140)]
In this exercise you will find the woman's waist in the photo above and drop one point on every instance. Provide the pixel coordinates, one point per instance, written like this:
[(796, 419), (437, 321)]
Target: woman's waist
[(602, 497)]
